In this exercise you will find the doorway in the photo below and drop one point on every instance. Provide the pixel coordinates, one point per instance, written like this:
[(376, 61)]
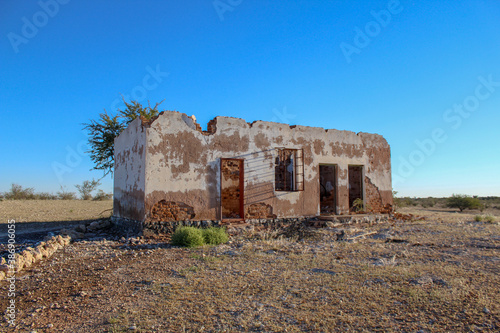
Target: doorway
[(328, 189), (355, 186), (231, 189)]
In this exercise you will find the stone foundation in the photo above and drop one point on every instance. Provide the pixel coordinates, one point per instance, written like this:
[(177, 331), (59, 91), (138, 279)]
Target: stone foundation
[(168, 227)]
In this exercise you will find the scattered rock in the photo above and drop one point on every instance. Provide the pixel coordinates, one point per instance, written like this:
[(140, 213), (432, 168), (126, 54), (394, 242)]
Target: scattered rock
[(384, 261), (72, 233), (396, 240), (231, 253), (374, 281), (81, 228), (321, 270), (93, 226), (380, 235), (428, 280)]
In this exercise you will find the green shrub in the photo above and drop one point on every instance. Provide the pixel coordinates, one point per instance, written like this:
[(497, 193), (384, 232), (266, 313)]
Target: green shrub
[(462, 202), (188, 237), (478, 218), (215, 236), (358, 205)]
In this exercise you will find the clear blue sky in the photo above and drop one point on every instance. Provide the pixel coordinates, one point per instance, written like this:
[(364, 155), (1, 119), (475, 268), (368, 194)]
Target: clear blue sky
[(400, 69)]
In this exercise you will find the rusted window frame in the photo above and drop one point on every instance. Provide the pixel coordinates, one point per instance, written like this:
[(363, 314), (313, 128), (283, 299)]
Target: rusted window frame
[(297, 182)]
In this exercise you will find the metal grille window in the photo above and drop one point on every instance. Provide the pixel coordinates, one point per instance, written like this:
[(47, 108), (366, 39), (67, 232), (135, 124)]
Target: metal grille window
[(289, 170)]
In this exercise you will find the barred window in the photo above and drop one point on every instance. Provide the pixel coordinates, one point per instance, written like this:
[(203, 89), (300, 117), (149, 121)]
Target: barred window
[(289, 170)]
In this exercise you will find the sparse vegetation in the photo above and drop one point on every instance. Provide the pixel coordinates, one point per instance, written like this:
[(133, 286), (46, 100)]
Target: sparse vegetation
[(101, 195), (358, 205), (462, 202), (66, 195), (87, 187), (103, 131), (17, 192), (443, 278), (188, 237), (428, 202), (215, 236), (489, 218), (194, 237), (46, 196)]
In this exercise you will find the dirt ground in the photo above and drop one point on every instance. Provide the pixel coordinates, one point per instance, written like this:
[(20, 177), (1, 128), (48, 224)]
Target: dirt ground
[(441, 274), (53, 210), (35, 218)]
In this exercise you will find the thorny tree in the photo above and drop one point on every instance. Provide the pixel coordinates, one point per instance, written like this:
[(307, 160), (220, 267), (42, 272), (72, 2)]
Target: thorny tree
[(103, 131), (87, 188)]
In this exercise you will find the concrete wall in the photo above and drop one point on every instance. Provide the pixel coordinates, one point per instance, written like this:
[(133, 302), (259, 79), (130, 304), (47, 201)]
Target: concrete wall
[(182, 165), (129, 174)]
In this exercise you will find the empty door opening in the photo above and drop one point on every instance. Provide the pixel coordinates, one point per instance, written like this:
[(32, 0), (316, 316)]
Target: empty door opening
[(328, 189), (355, 186), (231, 189)]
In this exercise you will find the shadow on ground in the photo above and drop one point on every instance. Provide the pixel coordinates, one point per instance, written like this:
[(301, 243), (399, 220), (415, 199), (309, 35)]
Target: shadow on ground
[(27, 232)]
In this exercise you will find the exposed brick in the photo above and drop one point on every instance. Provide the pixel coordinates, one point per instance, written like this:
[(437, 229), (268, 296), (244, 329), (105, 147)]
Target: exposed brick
[(171, 211)]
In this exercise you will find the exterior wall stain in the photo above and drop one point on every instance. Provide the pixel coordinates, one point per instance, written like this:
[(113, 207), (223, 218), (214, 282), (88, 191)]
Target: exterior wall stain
[(171, 160)]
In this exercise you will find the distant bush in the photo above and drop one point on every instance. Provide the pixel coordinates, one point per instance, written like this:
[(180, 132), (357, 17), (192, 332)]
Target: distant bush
[(17, 192), (215, 236), (46, 196), (101, 196), (428, 202), (463, 202), (64, 195), (188, 237), (87, 187), (478, 218)]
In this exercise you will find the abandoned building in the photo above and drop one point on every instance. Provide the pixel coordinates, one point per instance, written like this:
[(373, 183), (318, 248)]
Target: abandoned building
[(169, 169)]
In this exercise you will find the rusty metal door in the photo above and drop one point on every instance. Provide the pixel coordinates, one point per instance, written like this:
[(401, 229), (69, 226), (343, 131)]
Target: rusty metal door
[(232, 189)]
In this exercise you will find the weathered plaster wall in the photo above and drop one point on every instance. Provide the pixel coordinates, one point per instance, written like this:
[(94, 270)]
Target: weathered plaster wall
[(182, 165), (129, 174)]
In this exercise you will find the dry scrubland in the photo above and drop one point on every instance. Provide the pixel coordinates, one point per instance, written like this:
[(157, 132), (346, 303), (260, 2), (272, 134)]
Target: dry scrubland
[(53, 210), (441, 274)]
